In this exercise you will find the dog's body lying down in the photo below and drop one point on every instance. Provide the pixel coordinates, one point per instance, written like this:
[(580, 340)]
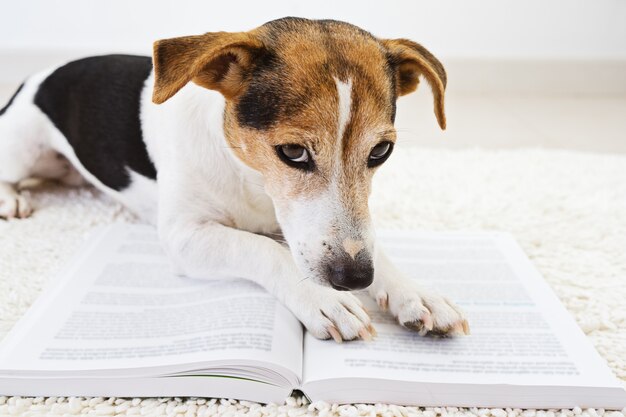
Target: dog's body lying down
[(279, 133)]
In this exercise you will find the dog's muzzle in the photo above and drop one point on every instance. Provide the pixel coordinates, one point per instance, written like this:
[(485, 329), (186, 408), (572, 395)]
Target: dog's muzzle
[(346, 273)]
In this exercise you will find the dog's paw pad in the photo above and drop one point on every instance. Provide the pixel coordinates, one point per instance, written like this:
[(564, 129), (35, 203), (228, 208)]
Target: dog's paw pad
[(15, 206), (422, 326), (364, 332), (414, 316), (425, 312), (382, 299), (448, 319), (460, 328), (336, 315), (334, 333)]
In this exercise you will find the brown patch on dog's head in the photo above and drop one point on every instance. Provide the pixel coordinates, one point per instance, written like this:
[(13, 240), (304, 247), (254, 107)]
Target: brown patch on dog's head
[(324, 86), (410, 60), (307, 49), (218, 61)]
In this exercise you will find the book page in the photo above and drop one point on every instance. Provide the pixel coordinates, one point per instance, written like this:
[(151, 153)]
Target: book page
[(520, 332), (121, 308)]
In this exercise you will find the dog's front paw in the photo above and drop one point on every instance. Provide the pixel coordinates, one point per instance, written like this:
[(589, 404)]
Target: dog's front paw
[(327, 313), (423, 311), (14, 206)]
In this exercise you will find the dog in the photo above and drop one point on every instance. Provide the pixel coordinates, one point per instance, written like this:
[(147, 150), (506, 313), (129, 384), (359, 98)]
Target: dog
[(230, 141)]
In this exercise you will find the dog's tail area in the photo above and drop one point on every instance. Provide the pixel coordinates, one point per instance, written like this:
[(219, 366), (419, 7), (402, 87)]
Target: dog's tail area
[(26, 137), (11, 100), (12, 204), (17, 136)]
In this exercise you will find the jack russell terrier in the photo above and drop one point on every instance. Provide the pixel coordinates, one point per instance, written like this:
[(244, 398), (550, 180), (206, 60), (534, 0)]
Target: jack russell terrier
[(226, 141)]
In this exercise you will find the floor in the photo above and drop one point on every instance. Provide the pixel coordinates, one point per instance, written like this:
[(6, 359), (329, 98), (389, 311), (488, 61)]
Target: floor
[(595, 124), (588, 123)]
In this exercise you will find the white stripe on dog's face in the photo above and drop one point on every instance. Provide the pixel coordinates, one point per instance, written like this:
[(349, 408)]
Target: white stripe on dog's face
[(344, 92), (330, 107), (328, 241)]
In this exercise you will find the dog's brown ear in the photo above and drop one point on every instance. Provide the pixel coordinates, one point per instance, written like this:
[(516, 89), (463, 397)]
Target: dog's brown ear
[(410, 60), (218, 61)]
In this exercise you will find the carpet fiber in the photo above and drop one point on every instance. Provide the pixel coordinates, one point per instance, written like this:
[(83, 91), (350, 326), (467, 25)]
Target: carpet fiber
[(567, 210)]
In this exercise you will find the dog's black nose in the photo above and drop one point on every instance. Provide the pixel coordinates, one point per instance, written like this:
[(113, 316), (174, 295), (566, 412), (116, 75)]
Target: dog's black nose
[(346, 273)]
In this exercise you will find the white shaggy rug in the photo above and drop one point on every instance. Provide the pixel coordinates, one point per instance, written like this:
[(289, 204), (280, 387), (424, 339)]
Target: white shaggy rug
[(567, 210)]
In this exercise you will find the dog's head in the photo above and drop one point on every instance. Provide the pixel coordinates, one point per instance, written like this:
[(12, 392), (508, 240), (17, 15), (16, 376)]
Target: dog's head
[(310, 105)]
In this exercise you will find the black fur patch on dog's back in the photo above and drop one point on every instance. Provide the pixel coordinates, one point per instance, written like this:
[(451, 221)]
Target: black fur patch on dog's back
[(4, 109), (95, 103)]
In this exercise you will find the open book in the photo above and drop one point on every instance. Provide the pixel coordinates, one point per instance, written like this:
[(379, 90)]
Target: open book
[(117, 322)]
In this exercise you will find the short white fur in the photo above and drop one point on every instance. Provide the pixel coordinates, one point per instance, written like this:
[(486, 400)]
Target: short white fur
[(213, 210), (344, 93)]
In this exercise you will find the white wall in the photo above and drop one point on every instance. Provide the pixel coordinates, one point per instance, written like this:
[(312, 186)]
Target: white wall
[(509, 29)]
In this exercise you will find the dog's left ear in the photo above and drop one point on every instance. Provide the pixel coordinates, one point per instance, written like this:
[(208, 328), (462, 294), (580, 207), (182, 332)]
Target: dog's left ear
[(410, 60), (218, 61)]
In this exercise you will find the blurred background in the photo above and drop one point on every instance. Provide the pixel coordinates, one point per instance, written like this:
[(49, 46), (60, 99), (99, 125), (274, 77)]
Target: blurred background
[(533, 73)]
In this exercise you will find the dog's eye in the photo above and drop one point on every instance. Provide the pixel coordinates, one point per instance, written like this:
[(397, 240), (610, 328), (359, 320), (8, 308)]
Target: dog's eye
[(295, 156), (380, 153), (295, 153)]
